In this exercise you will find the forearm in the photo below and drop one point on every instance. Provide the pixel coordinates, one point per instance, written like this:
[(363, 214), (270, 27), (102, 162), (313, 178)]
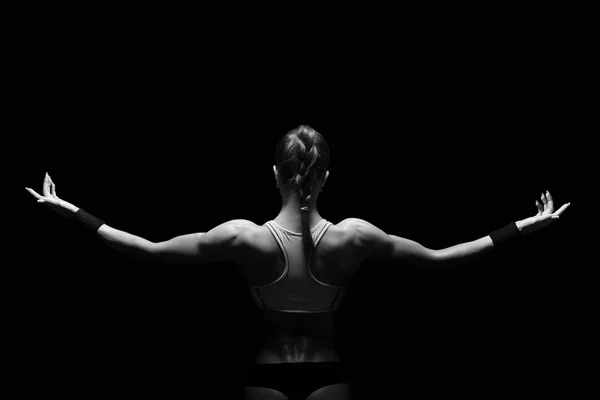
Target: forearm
[(125, 242), (464, 252), (470, 250), (119, 240)]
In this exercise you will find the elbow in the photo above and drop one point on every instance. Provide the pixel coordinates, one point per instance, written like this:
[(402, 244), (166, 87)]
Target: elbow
[(434, 259), (436, 256), (152, 252), (441, 256), (151, 249), (447, 258), (428, 259)]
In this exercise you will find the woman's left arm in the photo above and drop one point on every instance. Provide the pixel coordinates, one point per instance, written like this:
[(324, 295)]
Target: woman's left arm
[(222, 243)]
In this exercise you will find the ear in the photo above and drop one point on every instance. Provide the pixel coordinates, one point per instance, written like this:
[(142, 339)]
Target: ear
[(325, 180), (275, 173)]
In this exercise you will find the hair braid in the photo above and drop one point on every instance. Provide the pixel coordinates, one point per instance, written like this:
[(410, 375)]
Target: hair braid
[(302, 157), (303, 180)]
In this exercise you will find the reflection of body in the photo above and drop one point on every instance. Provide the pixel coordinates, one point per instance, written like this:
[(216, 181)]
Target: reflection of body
[(298, 266)]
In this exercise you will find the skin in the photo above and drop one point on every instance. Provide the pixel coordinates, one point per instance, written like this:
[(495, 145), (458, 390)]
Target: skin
[(225, 240), (290, 214), (290, 209)]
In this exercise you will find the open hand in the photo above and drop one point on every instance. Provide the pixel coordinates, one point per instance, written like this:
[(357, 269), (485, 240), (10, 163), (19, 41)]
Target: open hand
[(545, 215), (51, 200)]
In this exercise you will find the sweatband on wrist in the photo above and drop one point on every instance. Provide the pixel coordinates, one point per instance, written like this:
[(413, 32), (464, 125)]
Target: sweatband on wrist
[(89, 221), (503, 236)]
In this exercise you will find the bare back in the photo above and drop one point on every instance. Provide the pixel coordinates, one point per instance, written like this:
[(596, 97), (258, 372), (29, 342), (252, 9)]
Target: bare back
[(301, 337)]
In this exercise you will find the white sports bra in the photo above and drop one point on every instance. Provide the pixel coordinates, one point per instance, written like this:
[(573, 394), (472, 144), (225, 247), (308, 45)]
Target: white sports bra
[(297, 290)]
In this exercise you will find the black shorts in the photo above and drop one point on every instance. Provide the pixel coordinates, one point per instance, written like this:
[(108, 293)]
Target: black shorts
[(296, 380)]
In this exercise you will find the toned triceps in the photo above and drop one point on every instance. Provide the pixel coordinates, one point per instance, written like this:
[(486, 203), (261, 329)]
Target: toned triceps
[(378, 245), (222, 243), (180, 249), (413, 252), (421, 256)]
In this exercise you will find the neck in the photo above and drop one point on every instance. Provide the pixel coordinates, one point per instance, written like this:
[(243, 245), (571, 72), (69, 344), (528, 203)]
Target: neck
[(290, 210)]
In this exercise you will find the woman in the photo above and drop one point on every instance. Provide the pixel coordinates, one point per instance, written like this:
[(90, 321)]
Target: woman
[(298, 266)]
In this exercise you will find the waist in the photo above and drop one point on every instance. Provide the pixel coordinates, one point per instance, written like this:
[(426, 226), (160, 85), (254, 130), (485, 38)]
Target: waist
[(296, 349), (279, 325)]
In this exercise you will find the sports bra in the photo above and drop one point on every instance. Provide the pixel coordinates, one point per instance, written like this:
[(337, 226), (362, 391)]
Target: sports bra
[(297, 290)]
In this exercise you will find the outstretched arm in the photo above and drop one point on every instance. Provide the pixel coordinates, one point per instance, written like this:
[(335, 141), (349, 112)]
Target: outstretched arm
[(376, 244), (221, 243)]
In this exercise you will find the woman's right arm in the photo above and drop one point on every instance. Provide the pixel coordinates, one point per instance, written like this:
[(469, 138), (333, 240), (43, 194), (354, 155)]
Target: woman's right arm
[(376, 244)]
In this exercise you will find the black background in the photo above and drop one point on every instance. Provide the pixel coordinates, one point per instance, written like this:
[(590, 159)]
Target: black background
[(437, 137)]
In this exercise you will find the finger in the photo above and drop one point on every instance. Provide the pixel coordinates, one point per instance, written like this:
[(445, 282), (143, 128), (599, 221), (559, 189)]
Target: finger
[(46, 186), (544, 201), (41, 199), (33, 193), (52, 187), (550, 201), (561, 210), (539, 207)]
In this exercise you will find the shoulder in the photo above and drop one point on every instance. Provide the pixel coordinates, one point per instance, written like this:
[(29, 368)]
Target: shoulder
[(233, 231), (242, 224), (241, 227), (356, 237), (356, 226), (352, 229), (349, 225), (245, 232), (235, 236), (366, 236)]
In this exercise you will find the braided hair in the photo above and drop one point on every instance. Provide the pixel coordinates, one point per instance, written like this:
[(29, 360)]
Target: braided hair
[(302, 158)]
